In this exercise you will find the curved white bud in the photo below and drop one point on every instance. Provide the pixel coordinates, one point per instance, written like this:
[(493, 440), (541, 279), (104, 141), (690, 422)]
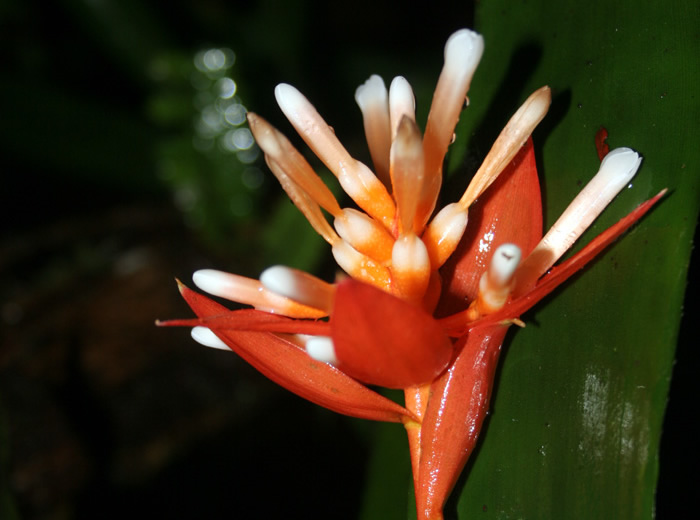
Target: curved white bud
[(251, 292), (373, 100), (372, 93), (463, 52), (616, 171), (356, 178), (508, 143), (619, 166), (219, 283)]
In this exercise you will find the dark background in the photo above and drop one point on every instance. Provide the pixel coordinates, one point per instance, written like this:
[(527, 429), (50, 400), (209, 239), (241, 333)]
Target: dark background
[(109, 191)]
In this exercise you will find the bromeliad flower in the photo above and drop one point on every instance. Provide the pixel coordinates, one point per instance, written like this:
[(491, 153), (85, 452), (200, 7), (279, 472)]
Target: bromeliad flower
[(429, 298)]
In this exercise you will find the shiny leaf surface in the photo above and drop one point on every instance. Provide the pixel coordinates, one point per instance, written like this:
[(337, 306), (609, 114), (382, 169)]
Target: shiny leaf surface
[(576, 415), (580, 398)]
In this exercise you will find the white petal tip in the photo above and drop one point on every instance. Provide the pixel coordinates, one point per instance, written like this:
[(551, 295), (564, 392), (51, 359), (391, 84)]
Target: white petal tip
[(288, 97), (371, 91), (283, 88), (504, 262), (621, 163), (464, 48), (410, 254), (206, 337), (400, 85), (210, 280), (321, 349), (279, 279)]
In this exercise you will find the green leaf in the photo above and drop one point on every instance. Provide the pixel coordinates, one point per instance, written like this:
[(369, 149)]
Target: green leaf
[(579, 400), (579, 403)]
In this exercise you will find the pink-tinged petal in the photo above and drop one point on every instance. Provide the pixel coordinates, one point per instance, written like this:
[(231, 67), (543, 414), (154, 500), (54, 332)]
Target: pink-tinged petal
[(510, 211), (289, 366), (463, 51), (373, 100), (458, 324), (453, 419), (385, 341)]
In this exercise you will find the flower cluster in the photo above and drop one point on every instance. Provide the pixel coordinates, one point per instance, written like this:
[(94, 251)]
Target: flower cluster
[(428, 298)]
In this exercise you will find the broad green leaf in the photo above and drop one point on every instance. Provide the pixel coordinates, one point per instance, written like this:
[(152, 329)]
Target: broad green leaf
[(576, 417), (577, 413)]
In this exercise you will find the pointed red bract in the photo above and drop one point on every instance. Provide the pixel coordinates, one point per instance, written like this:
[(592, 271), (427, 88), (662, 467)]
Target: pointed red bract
[(453, 419), (460, 396), (510, 211), (382, 340), (459, 324), (253, 320), (289, 366)]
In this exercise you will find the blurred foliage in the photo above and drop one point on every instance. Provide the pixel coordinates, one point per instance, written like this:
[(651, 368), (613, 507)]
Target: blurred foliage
[(207, 155), (115, 104)]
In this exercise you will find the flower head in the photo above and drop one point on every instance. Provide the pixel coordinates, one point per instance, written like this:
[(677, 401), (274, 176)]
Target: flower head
[(428, 296)]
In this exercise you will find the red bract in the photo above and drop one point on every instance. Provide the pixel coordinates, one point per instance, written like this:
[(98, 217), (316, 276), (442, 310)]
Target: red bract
[(509, 212), (431, 294), (382, 340), (286, 363), (460, 396)]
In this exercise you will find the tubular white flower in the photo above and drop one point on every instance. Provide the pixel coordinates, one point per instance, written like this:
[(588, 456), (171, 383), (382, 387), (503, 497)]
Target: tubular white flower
[(504, 262), (298, 285), (496, 283), (616, 171), (251, 292), (373, 100), (357, 180), (463, 52), (407, 172), (508, 143)]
